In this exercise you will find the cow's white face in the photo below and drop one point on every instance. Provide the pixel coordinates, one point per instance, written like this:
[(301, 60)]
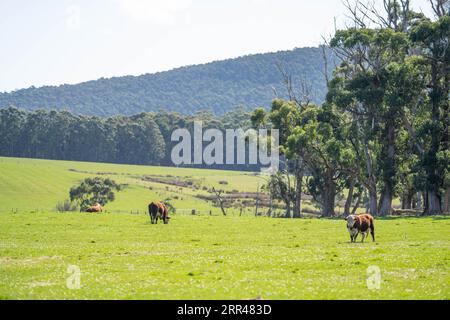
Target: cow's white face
[(351, 219)]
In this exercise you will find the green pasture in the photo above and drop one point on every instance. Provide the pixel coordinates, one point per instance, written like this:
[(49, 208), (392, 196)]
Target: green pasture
[(37, 185), (122, 256)]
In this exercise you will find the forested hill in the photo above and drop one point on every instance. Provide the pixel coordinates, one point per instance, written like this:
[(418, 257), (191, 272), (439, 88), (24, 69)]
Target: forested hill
[(247, 81)]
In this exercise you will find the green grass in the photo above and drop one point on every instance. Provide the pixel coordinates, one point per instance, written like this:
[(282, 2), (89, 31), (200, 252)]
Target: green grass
[(123, 256), (37, 185)]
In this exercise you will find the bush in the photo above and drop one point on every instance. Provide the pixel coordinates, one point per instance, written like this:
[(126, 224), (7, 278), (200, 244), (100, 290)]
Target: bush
[(94, 190), (223, 182), (66, 206)]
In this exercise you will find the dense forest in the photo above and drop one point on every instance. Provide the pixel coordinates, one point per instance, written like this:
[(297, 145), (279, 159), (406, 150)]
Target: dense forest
[(144, 138), (248, 81)]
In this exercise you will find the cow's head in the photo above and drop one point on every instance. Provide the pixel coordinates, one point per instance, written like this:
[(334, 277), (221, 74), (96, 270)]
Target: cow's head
[(351, 220)]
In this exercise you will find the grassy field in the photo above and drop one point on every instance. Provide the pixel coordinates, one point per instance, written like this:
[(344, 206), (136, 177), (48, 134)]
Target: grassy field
[(123, 256), (37, 185)]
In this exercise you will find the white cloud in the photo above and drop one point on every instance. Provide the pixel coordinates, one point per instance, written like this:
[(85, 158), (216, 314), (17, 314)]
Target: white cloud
[(73, 20), (162, 12)]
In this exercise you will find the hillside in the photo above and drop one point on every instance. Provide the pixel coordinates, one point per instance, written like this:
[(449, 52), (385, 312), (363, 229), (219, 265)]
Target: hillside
[(247, 81), (36, 184)]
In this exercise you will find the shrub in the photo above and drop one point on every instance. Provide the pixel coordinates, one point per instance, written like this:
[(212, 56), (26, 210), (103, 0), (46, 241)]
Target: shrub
[(66, 206), (94, 190)]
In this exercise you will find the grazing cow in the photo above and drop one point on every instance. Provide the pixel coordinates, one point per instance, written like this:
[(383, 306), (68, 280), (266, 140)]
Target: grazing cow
[(95, 208), (158, 210), (362, 223)]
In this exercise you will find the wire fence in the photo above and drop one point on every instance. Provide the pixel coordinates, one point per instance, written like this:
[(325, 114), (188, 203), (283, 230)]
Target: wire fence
[(244, 211)]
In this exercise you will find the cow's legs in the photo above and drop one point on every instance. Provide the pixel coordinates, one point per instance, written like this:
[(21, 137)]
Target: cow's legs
[(363, 235), (372, 232)]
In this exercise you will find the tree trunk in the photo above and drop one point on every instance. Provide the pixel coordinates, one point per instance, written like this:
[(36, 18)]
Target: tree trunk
[(409, 200), (386, 202), (298, 190), (373, 208), (433, 205), (329, 195), (446, 204), (349, 200), (385, 207), (257, 201), (288, 209), (420, 200), (372, 183)]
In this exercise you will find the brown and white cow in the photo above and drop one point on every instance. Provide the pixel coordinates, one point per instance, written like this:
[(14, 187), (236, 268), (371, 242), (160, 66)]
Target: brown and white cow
[(360, 223), (158, 210), (95, 208)]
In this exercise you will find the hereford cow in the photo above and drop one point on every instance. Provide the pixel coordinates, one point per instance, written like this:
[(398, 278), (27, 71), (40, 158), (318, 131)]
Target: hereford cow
[(158, 210), (362, 223), (95, 208)]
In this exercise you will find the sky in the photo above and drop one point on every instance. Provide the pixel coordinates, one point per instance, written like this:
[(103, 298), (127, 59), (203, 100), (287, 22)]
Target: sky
[(53, 42)]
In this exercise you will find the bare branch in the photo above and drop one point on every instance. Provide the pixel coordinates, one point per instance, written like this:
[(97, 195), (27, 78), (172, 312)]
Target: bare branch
[(440, 7), (219, 199)]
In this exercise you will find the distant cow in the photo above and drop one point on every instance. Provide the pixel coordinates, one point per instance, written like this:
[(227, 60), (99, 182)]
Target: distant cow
[(95, 208), (158, 210), (362, 223)]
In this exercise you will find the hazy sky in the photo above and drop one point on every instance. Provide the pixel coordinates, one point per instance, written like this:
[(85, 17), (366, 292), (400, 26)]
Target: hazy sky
[(50, 42)]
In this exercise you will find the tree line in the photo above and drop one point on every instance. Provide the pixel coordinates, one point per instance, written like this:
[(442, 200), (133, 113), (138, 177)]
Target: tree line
[(144, 138), (383, 131)]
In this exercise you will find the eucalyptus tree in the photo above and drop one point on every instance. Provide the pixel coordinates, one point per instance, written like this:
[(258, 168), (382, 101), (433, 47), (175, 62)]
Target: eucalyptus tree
[(375, 83), (431, 42), (321, 140), (284, 115)]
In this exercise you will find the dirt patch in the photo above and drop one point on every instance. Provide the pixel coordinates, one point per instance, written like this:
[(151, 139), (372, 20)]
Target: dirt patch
[(27, 261)]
